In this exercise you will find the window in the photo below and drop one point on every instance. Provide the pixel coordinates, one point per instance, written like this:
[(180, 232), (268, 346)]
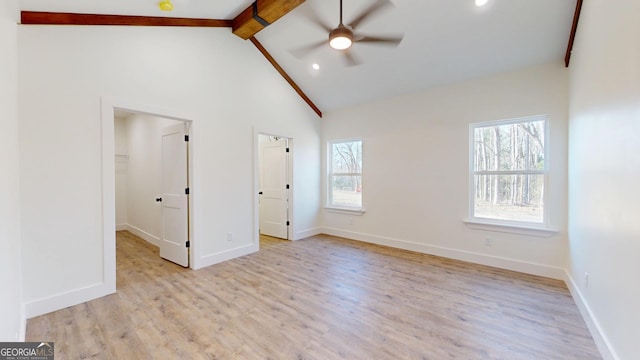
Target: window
[(345, 174), (508, 172)]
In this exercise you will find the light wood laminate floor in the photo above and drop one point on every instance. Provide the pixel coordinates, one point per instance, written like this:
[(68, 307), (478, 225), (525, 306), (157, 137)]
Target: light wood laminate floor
[(318, 298)]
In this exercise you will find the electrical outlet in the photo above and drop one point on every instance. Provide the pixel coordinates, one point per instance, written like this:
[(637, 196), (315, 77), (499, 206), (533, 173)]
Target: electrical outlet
[(586, 280), (350, 221), (488, 242), (229, 236)]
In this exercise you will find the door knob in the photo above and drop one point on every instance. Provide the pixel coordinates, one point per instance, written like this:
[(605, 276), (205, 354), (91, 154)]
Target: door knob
[(158, 199)]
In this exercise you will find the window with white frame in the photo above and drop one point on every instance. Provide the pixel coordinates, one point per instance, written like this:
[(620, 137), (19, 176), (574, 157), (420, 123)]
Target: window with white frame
[(508, 170), (345, 174)]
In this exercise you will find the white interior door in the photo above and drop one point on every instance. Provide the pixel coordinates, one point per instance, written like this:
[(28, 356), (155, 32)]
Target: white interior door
[(274, 201), (175, 200)]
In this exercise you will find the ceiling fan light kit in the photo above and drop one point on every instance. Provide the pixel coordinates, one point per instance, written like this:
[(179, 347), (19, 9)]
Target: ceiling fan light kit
[(340, 38)]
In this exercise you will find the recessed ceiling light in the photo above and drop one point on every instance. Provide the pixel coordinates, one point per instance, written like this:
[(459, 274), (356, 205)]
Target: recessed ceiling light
[(315, 66), (481, 2)]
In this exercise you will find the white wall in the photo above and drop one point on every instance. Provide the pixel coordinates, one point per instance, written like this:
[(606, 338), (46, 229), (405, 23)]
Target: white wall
[(225, 85), (604, 172), (121, 168), (11, 311), (416, 163)]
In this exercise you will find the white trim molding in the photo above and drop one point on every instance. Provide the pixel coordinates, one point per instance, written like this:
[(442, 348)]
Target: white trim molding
[(68, 298), (509, 228), (217, 258), (599, 337), (476, 258), (345, 211), (148, 237), (306, 233)]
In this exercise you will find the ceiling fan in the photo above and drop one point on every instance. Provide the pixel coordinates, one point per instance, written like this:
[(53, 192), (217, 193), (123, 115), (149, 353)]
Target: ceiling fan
[(344, 36)]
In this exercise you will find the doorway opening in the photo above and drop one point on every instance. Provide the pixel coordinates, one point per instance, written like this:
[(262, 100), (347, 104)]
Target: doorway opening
[(274, 186), (109, 107), (152, 181)]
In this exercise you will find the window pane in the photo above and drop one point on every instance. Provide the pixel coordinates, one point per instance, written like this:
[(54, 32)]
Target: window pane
[(518, 146), (347, 157), (509, 197), (347, 190)]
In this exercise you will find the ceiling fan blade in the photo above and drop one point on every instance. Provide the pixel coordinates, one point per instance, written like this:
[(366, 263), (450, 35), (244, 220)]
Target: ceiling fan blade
[(375, 7), (380, 40), (313, 18), (302, 51), (350, 59)]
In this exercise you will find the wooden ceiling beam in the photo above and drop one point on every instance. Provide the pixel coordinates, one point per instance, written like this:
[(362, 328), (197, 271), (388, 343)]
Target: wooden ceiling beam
[(261, 14), (53, 18), (572, 36), (271, 13), (286, 76)]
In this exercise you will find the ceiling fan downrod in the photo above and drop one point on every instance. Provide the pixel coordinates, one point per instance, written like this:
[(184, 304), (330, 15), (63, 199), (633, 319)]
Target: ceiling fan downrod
[(341, 37)]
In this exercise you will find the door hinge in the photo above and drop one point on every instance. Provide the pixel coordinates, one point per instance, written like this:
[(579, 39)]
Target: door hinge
[(287, 186), (287, 149), (186, 138), (287, 222), (186, 191), (188, 243)]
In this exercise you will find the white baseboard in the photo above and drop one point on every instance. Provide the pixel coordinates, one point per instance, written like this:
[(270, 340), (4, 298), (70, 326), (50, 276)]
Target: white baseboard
[(306, 233), (120, 227), (604, 346), (482, 259), (63, 300), (150, 238), (602, 342), (217, 258)]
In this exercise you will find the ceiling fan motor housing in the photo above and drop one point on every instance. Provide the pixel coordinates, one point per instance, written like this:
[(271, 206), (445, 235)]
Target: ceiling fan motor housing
[(341, 37)]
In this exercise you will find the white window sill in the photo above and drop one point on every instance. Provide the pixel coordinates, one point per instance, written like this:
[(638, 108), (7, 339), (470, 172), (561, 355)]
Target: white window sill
[(509, 228), (347, 211)]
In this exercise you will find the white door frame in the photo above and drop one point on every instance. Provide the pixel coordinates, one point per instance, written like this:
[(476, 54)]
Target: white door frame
[(256, 183), (108, 107)]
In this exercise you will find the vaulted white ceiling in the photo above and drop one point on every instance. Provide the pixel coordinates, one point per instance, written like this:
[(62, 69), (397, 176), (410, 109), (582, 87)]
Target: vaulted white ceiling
[(445, 41)]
